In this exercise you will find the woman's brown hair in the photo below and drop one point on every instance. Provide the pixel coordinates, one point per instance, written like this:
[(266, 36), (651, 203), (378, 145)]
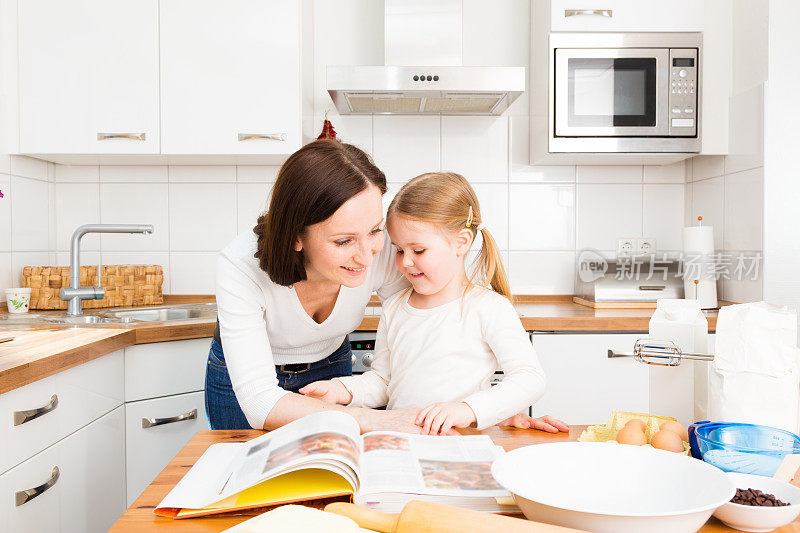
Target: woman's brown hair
[(447, 200), (311, 185)]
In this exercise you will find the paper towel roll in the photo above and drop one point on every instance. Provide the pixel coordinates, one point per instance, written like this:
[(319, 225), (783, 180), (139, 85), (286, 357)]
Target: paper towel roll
[(698, 240), (704, 292)]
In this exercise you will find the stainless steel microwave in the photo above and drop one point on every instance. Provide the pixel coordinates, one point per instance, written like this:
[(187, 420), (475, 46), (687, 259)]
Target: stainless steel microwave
[(625, 92)]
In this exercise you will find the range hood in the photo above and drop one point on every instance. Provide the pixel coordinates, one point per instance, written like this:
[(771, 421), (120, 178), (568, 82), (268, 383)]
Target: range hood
[(423, 72)]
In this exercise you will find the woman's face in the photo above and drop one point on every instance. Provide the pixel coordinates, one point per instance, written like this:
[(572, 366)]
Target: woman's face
[(341, 248)]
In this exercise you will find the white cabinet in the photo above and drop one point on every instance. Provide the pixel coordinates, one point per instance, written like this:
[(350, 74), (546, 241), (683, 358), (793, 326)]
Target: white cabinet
[(88, 494), (88, 71), (230, 77), (155, 431), (165, 405), (584, 385), (38, 415), (626, 16)]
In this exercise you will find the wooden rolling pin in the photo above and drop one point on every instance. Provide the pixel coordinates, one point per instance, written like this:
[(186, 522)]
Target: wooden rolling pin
[(424, 517)]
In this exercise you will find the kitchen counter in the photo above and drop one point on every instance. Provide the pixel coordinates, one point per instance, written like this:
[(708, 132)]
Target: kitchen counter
[(41, 351), (140, 518)]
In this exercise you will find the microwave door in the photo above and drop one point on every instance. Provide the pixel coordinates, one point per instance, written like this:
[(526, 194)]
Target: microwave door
[(611, 92)]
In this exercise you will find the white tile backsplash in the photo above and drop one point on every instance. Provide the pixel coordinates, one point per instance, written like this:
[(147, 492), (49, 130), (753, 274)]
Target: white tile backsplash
[(493, 199), (608, 174), (542, 272), (744, 210), (77, 173), (134, 174), (607, 213), (6, 277), (133, 203), (520, 169), (674, 173), (19, 260), (707, 166), (542, 217), (257, 174), (252, 201), (351, 129), (201, 216), (202, 173), (193, 272), (663, 215), (5, 214), (476, 147), (28, 167), (708, 201), (30, 224), (76, 204), (405, 147)]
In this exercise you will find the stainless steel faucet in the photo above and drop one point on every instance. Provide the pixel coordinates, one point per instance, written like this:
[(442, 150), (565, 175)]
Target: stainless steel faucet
[(75, 293)]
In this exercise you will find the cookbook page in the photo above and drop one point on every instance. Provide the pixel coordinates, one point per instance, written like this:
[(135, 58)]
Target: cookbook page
[(325, 438), (423, 464)]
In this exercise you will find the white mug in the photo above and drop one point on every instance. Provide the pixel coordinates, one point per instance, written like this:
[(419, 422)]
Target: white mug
[(18, 299)]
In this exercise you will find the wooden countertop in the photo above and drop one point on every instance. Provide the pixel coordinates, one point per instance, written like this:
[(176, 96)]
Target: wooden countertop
[(37, 353), (140, 518)]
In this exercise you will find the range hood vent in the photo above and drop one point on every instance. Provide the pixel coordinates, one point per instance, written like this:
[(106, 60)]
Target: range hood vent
[(423, 75)]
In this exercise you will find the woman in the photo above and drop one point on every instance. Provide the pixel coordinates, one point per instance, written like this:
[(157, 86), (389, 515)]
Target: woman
[(290, 291)]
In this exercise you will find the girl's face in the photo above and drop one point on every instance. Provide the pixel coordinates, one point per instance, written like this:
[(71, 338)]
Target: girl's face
[(341, 248), (430, 259)]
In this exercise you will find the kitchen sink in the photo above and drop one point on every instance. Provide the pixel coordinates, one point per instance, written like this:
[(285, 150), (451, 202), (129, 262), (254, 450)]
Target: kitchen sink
[(131, 315)]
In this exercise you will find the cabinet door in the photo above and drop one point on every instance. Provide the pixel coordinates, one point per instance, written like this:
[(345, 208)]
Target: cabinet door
[(583, 384), (150, 449), (627, 15), (89, 493), (88, 71), (165, 368), (230, 77)]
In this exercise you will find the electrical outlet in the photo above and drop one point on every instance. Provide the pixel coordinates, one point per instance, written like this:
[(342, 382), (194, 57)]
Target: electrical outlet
[(625, 247), (645, 246)]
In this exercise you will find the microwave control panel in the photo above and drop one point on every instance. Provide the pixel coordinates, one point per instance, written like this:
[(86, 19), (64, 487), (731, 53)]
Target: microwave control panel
[(683, 87)]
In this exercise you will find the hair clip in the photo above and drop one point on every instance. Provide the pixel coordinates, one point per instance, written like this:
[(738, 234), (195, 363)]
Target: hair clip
[(469, 218)]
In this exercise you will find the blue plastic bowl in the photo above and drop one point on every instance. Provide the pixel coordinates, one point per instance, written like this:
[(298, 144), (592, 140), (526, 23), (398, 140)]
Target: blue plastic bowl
[(745, 448)]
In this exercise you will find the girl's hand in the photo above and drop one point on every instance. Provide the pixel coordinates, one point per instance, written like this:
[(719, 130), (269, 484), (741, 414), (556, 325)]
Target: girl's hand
[(329, 391), (544, 423), (441, 418)]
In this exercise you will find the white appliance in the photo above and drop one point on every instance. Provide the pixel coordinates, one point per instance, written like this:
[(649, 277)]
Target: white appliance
[(624, 92), (423, 71)]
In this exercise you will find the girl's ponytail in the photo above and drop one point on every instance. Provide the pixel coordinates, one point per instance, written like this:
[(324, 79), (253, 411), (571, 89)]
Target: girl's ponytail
[(490, 265)]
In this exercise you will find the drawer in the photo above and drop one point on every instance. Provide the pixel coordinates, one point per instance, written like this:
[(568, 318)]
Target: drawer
[(165, 368), (150, 449), (83, 393), (89, 493), (628, 16)]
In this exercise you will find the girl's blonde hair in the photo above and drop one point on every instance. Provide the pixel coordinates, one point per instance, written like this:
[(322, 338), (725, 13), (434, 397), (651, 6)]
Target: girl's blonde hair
[(447, 200)]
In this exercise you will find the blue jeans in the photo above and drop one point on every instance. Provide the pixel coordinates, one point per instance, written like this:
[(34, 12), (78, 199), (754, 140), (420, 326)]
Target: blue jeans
[(222, 407)]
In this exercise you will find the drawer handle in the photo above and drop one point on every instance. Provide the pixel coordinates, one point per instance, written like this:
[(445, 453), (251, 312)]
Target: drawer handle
[(612, 354), (20, 417), (133, 136), (652, 287), (150, 422), (24, 496), (269, 136), (575, 12)]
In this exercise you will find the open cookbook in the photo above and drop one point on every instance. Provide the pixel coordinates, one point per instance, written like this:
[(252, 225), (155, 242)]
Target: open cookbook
[(323, 456)]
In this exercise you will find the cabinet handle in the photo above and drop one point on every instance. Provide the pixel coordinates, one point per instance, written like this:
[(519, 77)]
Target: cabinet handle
[(150, 422), (652, 287), (134, 136), (612, 354), (269, 136), (24, 496), (20, 417), (575, 12)]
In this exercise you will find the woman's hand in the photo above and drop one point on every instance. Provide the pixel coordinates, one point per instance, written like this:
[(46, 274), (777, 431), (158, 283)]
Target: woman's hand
[(544, 423), (441, 418), (329, 391)]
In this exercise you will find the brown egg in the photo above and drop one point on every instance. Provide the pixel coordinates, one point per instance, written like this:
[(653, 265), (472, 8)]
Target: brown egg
[(636, 423), (667, 440), (631, 435), (676, 428)]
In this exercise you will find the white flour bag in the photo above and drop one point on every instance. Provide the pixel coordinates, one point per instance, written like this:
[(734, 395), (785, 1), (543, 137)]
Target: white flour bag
[(755, 376)]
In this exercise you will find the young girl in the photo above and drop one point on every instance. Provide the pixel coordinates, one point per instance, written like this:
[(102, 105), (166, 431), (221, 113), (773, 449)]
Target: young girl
[(439, 343)]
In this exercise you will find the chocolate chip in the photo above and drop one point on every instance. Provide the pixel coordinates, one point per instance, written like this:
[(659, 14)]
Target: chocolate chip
[(756, 498)]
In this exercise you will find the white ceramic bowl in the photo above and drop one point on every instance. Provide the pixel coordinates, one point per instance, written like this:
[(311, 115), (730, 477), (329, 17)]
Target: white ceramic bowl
[(750, 518), (612, 488)]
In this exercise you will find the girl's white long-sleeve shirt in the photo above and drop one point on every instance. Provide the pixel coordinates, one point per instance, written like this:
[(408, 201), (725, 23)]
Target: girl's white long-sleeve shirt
[(263, 324), (449, 354)]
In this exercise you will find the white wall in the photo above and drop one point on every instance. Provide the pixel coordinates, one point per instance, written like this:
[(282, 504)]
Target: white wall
[(728, 191), (539, 215)]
